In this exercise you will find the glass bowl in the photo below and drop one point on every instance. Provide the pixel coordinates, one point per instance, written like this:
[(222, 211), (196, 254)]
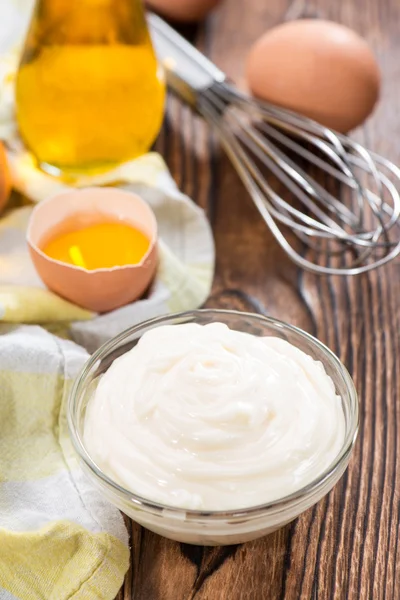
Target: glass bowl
[(213, 527)]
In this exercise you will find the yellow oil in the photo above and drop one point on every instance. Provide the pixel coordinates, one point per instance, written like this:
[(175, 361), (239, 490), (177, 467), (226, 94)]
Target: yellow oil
[(98, 246), (89, 92)]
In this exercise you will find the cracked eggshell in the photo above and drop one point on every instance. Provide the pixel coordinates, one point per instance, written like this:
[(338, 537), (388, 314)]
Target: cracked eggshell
[(99, 290)]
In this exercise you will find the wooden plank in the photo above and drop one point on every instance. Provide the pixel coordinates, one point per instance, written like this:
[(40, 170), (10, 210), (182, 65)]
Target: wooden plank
[(346, 547)]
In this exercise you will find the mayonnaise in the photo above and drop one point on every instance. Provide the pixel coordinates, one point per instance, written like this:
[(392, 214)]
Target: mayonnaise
[(208, 418)]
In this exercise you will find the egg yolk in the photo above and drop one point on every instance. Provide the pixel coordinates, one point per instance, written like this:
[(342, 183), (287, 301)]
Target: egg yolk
[(99, 246)]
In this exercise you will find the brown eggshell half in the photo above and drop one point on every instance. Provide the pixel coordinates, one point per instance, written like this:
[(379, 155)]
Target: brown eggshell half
[(100, 290), (188, 11)]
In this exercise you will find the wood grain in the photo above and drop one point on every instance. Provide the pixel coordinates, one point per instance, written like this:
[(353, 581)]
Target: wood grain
[(346, 547)]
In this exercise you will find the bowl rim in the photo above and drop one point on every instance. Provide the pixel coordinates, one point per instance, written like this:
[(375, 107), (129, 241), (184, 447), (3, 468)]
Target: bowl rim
[(189, 514)]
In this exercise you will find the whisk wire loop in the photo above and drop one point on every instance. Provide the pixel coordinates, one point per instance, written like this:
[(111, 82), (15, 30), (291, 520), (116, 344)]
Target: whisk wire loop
[(321, 194)]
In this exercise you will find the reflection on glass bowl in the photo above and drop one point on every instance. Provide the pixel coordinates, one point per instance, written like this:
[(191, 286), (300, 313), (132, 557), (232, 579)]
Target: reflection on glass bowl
[(213, 527)]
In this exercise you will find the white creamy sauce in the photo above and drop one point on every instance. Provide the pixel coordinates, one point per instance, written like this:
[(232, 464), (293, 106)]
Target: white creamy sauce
[(205, 417)]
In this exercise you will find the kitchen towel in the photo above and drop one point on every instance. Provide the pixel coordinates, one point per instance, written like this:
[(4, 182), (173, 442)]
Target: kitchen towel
[(59, 540), (186, 248)]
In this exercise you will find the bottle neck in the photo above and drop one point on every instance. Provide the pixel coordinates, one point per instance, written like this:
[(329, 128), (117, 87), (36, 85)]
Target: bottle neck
[(88, 21), (64, 6)]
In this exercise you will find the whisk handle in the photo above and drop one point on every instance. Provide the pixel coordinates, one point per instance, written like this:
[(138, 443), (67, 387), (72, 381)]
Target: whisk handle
[(188, 71)]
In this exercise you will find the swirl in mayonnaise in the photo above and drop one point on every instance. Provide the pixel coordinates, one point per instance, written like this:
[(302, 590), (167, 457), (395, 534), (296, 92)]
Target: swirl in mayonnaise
[(208, 418)]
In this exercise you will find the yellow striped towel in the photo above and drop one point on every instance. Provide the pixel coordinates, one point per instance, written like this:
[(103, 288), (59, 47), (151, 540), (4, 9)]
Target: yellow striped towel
[(186, 251), (59, 539), (186, 268)]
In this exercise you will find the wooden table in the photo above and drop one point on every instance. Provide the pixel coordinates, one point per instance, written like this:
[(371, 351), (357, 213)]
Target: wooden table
[(346, 547)]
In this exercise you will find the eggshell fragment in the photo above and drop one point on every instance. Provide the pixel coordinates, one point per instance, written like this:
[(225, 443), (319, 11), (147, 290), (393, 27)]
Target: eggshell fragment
[(5, 178), (99, 290), (182, 10), (318, 68)]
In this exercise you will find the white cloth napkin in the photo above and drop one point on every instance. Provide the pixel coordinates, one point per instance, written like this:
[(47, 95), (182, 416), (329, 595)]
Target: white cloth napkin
[(58, 538), (186, 268)]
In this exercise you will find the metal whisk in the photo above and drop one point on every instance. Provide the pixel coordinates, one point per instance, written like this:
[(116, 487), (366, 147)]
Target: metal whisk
[(347, 226)]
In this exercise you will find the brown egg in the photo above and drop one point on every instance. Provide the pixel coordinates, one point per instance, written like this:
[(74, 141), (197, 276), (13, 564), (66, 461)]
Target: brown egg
[(320, 69), (182, 10), (5, 179), (99, 290)]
